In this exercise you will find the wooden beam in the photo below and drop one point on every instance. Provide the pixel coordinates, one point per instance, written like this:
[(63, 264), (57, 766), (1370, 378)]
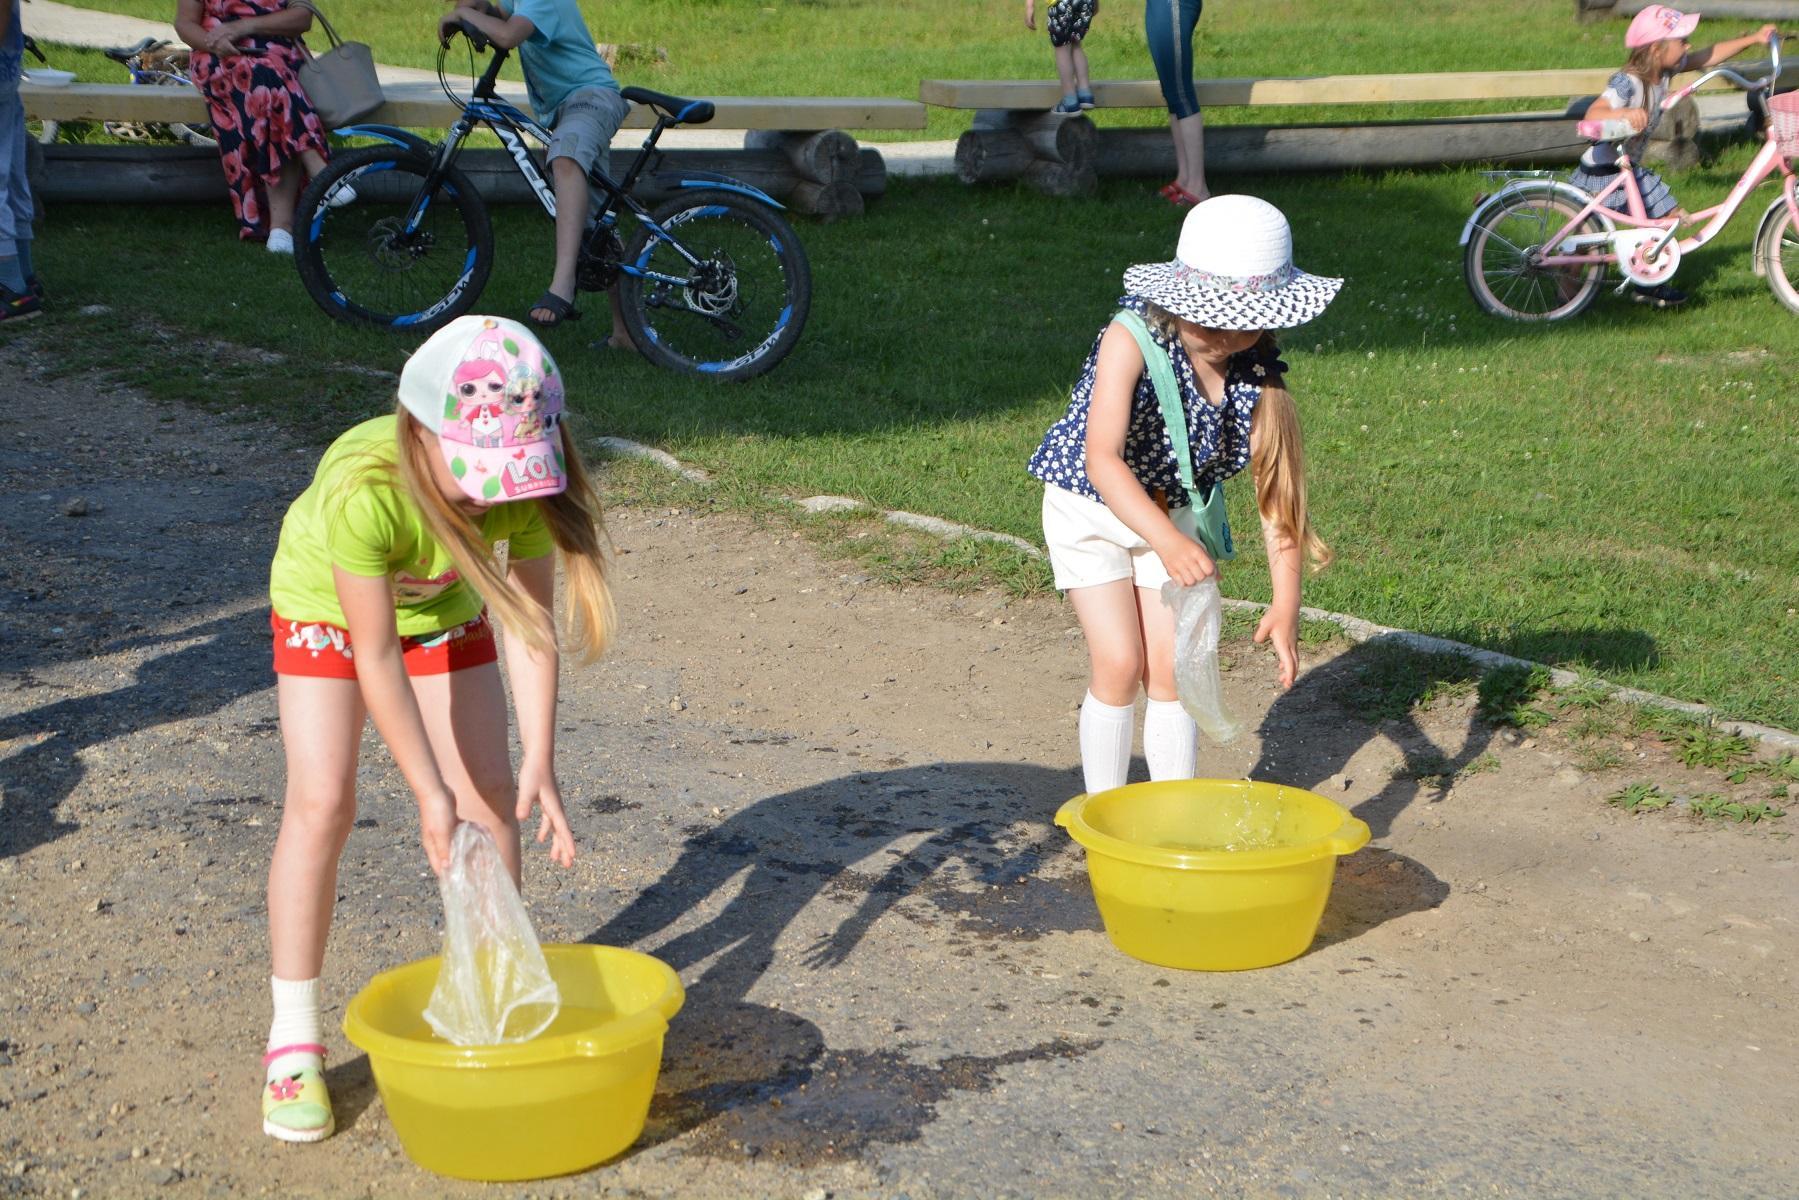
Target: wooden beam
[(422, 105), (1305, 89)]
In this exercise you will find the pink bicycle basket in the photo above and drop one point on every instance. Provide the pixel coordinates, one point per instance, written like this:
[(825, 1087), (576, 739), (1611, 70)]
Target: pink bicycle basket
[(1783, 118)]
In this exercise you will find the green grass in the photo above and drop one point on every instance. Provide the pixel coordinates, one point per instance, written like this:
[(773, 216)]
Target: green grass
[(879, 48), (1619, 495)]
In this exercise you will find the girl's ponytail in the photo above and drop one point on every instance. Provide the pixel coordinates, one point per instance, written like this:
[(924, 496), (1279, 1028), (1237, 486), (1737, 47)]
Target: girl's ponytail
[(573, 518), (1277, 463)]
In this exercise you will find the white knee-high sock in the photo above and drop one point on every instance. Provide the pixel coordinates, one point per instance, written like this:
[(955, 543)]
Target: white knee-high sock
[(1105, 743), (1170, 741), (297, 1021)]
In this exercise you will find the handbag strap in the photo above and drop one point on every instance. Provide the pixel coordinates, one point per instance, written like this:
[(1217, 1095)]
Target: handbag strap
[(309, 6), (1168, 395)]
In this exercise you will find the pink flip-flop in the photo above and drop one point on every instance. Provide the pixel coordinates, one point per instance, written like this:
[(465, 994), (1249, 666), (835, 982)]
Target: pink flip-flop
[(1180, 197)]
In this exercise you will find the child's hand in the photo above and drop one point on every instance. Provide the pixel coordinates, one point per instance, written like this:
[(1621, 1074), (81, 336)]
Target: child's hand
[(1765, 32), (1283, 628), (1186, 560), (537, 785), (1638, 118), (437, 824)]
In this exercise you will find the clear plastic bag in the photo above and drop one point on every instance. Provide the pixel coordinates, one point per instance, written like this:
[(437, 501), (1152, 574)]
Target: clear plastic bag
[(494, 985), (1198, 615)]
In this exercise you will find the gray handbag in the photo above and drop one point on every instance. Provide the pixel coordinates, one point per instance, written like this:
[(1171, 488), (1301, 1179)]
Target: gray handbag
[(341, 83)]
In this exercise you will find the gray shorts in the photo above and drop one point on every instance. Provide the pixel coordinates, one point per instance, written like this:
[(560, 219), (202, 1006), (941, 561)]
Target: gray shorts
[(584, 126)]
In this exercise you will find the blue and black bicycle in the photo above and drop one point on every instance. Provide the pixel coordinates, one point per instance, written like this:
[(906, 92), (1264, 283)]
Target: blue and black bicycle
[(713, 281)]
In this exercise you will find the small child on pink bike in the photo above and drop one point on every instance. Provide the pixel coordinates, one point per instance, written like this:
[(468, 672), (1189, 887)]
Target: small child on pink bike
[(1631, 106)]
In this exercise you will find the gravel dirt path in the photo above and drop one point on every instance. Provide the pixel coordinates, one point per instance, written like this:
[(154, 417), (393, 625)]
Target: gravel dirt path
[(827, 803)]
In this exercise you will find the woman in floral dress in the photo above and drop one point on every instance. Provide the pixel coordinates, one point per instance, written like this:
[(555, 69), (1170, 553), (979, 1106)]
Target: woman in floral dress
[(246, 57)]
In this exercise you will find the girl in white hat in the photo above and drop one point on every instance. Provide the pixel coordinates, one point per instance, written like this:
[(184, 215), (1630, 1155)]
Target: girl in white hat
[(1124, 511), (1631, 107), (380, 588)]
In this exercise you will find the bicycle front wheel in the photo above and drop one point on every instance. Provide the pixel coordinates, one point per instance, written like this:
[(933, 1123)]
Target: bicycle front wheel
[(718, 286), (1502, 264), (1780, 260), (378, 242)]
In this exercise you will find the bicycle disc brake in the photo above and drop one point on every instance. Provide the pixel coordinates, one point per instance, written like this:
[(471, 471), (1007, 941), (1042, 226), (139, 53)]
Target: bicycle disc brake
[(391, 248), (713, 291)]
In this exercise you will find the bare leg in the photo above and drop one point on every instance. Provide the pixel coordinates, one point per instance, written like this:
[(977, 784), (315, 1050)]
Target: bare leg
[(1156, 620), (1065, 68), (465, 720), (282, 195), (1110, 620), (313, 161), (1190, 153), (571, 222), (321, 728), (1082, 82)]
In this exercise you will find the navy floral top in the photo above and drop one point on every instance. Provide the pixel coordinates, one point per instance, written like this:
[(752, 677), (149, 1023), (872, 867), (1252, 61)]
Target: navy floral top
[(1217, 434)]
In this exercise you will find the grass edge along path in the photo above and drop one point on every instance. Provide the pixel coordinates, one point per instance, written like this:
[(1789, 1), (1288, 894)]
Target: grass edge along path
[(1356, 629)]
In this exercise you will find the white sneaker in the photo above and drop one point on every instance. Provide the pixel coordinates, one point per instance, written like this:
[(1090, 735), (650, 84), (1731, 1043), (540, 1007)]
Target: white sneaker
[(341, 195), (281, 242)]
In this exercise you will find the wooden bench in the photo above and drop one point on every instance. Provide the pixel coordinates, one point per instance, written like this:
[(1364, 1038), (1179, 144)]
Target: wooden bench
[(795, 148), (1015, 136)]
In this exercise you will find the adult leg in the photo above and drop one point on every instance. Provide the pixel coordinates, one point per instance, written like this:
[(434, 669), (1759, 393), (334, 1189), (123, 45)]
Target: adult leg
[(15, 195), (283, 194), (1190, 155), (465, 720)]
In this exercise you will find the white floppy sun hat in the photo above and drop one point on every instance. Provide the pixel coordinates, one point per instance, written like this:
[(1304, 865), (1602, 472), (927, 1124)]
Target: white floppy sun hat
[(1233, 269)]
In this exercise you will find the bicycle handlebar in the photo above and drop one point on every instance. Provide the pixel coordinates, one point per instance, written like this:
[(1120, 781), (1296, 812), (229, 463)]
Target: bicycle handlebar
[(476, 38)]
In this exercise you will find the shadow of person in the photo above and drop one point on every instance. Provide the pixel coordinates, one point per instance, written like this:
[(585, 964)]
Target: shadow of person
[(956, 833), (229, 660)]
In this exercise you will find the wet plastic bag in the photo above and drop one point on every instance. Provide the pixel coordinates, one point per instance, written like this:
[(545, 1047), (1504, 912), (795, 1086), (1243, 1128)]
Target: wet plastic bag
[(1198, 615), (494, 985)]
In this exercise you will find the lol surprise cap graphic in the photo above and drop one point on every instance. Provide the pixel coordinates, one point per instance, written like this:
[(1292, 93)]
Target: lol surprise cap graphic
[(491, 393)]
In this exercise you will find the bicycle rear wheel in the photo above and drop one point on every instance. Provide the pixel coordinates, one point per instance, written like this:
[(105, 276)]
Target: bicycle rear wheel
[(1501, 265), (1780, 260), (404, 253), (720, 287)]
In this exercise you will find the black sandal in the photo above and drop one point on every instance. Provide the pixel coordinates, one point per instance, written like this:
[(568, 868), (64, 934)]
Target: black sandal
[(560, 310)]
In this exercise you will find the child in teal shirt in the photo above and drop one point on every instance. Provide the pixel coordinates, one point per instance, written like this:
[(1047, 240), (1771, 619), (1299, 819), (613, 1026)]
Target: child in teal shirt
[(574, 94)]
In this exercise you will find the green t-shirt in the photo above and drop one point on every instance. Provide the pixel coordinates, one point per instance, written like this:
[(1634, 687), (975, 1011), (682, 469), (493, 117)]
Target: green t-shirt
[(355, 515)]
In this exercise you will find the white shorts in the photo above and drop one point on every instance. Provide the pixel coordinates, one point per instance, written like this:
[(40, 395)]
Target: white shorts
[(1089, 545)]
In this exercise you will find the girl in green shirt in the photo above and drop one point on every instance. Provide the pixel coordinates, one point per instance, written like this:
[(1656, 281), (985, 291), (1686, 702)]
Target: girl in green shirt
[(377, 588)]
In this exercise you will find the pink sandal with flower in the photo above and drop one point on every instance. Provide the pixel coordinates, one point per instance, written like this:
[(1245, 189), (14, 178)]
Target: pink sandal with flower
[(295, 1105)]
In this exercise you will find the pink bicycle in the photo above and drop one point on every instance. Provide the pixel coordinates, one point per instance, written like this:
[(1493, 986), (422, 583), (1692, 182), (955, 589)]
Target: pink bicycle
[(1538, 248)]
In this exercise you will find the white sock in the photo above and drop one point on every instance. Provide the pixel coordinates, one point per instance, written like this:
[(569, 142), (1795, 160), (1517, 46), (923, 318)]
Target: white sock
[(297, 1023), (280, 242), (1170, 741), (1105, 743)]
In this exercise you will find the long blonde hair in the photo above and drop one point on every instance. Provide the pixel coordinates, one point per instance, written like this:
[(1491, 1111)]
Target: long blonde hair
[(1277, 451), (576, 525), (1645, 62)]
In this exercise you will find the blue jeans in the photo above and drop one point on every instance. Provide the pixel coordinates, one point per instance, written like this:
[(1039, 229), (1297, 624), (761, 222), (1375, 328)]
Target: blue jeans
[(1169, 26), (15, 192)]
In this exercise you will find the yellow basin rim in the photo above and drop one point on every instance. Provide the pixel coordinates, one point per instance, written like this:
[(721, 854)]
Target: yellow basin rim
[(641, 1026), (1349, 836)]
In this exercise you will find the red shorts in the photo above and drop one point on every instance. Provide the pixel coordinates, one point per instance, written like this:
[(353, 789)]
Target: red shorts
[(318, 649)]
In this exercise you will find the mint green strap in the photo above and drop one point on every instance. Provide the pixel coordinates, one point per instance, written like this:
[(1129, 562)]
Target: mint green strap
[(1168, 394), (1208, 509)]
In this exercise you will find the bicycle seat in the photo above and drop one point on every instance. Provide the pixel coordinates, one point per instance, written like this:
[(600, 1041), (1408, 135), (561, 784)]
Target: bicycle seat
[(120, 54), (678, 109)]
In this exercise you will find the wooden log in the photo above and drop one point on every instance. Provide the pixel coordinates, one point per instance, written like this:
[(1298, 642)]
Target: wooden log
[(992, 155), (1061, 179), (1061, 138), (839, 198), (871, 173), (1749, 10), (823, 157)]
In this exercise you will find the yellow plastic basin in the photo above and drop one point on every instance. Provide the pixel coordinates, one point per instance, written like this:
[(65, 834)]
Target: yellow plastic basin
[(1211, 874), (574, 1096)]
